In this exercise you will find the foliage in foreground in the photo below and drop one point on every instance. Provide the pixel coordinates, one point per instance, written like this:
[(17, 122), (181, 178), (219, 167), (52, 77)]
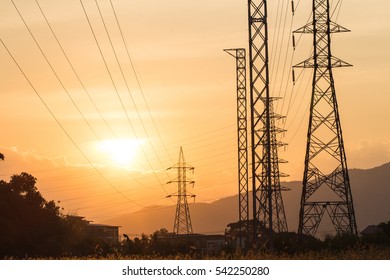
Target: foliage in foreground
[(287, 246), (367, 253), (31, 226)]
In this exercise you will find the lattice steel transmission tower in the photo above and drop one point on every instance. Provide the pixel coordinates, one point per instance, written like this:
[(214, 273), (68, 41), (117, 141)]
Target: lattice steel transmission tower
[(279, 221), (242, 136), (182, 223), (324, 138), (265, 222)]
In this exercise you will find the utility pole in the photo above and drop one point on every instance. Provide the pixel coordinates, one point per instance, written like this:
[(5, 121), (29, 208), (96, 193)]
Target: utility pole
[(242, 140), (263, 169), (324, 136), (182, 224)]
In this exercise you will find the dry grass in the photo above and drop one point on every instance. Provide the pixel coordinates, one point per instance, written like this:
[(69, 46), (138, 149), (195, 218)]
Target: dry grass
[(367, 253)]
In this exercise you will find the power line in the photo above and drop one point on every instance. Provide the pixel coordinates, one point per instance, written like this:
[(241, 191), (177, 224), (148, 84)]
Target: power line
[(126, 83), (62, 127), (149, 111), (138, 80), (53, 70), (112, 80), (73, 69), (106, 65)]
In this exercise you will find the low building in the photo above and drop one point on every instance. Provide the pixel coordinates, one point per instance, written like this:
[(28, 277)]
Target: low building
[(371, 229), (203, 244), (106, 233)]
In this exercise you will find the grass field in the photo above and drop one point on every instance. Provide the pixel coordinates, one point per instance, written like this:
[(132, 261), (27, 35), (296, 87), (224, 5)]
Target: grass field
[(367, 253)]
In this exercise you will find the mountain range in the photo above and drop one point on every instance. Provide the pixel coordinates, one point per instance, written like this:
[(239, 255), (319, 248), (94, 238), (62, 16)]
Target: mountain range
[(370, 192)]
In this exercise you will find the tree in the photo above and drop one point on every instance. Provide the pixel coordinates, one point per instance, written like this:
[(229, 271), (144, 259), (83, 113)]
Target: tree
[(29, 224), (385, 227), (381, 236)]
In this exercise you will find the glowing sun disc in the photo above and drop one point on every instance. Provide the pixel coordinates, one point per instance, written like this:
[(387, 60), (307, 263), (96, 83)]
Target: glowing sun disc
[(121, 152)]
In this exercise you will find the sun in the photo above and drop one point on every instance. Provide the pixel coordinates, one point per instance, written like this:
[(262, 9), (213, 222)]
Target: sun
[(121, 152)]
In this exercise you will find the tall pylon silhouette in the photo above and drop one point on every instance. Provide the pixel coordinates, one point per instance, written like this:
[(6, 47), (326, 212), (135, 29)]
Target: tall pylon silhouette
[(326, 187), (264, 171), (182, 224), (273, 196), (242, 140)]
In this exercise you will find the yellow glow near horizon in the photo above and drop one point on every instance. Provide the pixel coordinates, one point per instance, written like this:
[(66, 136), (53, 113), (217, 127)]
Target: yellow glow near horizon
[(121, 152)]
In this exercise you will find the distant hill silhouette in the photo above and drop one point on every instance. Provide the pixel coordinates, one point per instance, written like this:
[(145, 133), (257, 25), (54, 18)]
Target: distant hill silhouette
[(370, 190)]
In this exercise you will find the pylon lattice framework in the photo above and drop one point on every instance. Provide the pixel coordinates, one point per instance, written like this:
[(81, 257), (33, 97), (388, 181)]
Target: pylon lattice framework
[(324, 137), (279, 222), (182, 224), (242, 140), (264, 172)]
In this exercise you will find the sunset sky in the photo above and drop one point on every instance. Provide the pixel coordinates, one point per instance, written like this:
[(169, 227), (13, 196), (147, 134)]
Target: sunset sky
[(99, 135)]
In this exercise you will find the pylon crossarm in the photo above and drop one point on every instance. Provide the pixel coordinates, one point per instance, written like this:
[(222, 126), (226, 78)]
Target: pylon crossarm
[(325, 141), (182, 223)]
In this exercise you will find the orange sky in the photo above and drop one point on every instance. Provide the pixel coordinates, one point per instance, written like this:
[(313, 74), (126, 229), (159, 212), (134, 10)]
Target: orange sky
[(187, 97)]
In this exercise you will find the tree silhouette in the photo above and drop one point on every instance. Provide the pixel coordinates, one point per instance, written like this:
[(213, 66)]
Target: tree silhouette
[(29, 224)]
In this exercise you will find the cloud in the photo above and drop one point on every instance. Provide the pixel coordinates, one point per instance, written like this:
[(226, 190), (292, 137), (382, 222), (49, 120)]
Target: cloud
[(17, 160), (369, 153)]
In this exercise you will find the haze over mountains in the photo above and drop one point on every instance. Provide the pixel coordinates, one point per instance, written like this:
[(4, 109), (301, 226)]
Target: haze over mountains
[(370, 190)]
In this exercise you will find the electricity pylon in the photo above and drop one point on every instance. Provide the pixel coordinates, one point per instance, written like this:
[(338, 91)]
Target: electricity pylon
[(263, 169), (182, 224), (242, 140), (279, 222), (324, 136)]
